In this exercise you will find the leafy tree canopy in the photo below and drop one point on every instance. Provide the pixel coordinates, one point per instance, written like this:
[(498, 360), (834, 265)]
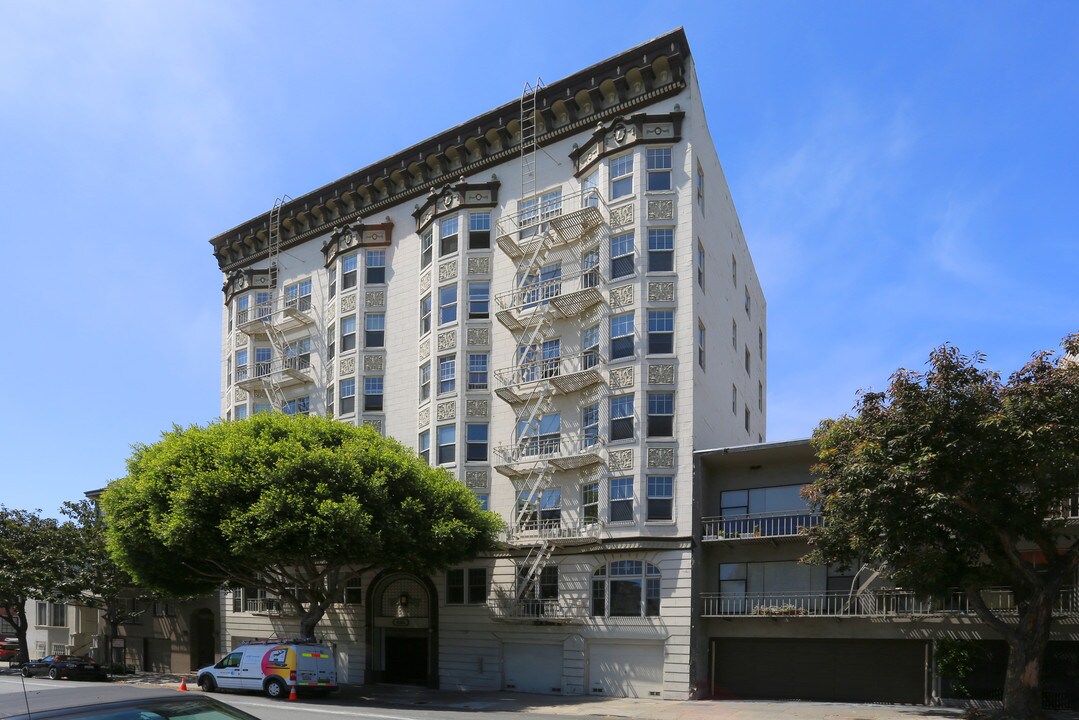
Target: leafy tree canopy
[(952, 478), (291, 504)]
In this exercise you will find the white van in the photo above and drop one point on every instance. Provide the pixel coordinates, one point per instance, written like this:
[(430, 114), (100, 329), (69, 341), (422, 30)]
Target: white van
[(274, 667)]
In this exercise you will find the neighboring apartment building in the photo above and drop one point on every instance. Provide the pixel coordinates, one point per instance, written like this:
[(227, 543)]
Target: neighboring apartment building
[(555, 302), (772, 627)]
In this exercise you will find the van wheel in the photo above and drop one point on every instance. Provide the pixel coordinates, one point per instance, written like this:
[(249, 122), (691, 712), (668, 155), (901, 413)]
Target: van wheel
[(276, 688), (206, 682)]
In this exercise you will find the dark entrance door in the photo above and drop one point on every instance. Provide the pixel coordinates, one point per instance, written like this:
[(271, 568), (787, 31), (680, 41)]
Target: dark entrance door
[(406, 659), (202, 638)]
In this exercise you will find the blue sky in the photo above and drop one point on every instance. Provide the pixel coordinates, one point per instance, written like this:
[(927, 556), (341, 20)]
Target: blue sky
[(905, 174)]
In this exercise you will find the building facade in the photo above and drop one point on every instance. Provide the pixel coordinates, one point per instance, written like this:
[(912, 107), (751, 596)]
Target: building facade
[(555, 302), (773, 627)]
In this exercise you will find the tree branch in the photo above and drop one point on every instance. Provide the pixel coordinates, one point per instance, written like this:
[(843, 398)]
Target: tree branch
[(974, 597)]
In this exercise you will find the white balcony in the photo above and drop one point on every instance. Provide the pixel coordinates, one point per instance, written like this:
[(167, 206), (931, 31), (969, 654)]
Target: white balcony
[(788, 525), (283, 373), (568, 296), (557, 221), (563, 452), (561, 532), (875, 604), (565, 373), (253, 322), (507, 608)]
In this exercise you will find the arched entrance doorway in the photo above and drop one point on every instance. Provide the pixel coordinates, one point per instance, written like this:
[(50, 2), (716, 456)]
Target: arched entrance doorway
[(203, 649), (402, 629)]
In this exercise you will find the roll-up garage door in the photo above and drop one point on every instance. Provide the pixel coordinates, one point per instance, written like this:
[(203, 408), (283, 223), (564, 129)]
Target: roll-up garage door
[(625, 669), (534, 668), (823, 669)]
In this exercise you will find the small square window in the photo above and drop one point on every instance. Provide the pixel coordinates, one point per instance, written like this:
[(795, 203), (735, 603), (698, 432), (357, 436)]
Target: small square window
[(372, 394), (660, 250), (376, 267), (659, 168), (353, 592), (479, 231)]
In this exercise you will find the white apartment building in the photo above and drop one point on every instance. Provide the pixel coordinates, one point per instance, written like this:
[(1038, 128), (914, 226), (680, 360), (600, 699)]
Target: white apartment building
[(555, 302)]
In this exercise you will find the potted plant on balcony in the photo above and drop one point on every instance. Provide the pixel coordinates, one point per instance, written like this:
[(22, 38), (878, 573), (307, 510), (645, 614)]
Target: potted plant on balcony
[(757, 530)]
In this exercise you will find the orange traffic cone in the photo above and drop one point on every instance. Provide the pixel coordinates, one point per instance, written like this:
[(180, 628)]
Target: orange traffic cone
[(292, 693), (183, 685)]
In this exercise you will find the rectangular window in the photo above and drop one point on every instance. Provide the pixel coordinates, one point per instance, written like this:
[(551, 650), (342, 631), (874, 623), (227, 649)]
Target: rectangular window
[(660, 498), (426, 242), (747, 360), (535, 289), (620, 505), (376, 267), (590, 347), (622, 417), (622, 336), (760, 343), (477, 371), (425, 314), (700, 186), (347, 396), (701, 345), (353, 592), (659, 168), (52, 614), (660, 414), (374, 330), (447, 236), (476, 442), (760, 396), (734, 333), (298, 295), (263, 361), (590, 503), (263, 304), (329, 401), (479, 231), (590, 424), (299, 406), (747, 418), (700, 264), (331, 342), (622, 255), (620, 171), (660, 250), (425, 381), (348, 271), (447, 304), (734, 271), (298, 354), (590, 189), (447, 373), (466, 586), (447, 444), (479, 299), (747, 301), (541, 438), (241, 412), (734, 399), (372, 394), (331, 273), (262, 408), (348, 333), (660, 332), (423, 446), (484, 500), (241, 365), (590, 269), (243, 312)]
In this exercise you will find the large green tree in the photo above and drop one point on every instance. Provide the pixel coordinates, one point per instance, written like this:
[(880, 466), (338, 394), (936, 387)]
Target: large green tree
[(36, 556), (294, 505), (952, 478)]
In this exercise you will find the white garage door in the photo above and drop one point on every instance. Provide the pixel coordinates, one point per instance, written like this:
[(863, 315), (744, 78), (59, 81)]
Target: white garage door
[(625, 669), (534, 668)]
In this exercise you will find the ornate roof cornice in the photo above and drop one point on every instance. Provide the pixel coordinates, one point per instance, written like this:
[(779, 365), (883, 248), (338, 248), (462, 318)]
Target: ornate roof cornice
[(609, 89)]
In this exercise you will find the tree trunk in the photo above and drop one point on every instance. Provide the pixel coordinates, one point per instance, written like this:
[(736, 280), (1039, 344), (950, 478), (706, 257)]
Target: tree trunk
[(1026, 655), (309, 620), (22, 624)]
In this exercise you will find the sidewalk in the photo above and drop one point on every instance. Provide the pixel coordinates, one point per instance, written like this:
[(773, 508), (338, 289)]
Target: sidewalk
[(374, 696)]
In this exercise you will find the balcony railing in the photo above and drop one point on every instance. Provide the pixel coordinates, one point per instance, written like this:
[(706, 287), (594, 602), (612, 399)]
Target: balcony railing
[(879, 603), (268, 606), (283, 371), (784, 524), (558, 530), (566, 373), (558, 610), (564, 452)]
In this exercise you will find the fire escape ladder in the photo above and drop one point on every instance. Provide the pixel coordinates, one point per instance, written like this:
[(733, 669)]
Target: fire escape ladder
[(535, 560)]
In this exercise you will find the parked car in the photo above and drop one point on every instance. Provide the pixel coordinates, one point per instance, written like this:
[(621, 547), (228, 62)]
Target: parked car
[(65, 666), (163, 707), (274, 667), (9, 649)]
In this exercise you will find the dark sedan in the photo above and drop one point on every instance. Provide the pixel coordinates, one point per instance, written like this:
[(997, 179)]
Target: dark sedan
[(65, 666)]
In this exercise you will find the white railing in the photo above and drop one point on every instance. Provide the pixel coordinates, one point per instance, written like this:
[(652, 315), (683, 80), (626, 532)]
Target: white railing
[(878, 603), (508, 607), (547, 368), (787, 523), (545, 447), (532, 292), (529, 530)]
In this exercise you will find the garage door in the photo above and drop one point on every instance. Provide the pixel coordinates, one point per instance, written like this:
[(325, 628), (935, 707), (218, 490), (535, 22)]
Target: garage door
[(625, 669), (837, 670), (528, 667)]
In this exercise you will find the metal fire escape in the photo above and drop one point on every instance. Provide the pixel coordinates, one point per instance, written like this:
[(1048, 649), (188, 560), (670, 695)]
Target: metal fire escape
[(542, 224)]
